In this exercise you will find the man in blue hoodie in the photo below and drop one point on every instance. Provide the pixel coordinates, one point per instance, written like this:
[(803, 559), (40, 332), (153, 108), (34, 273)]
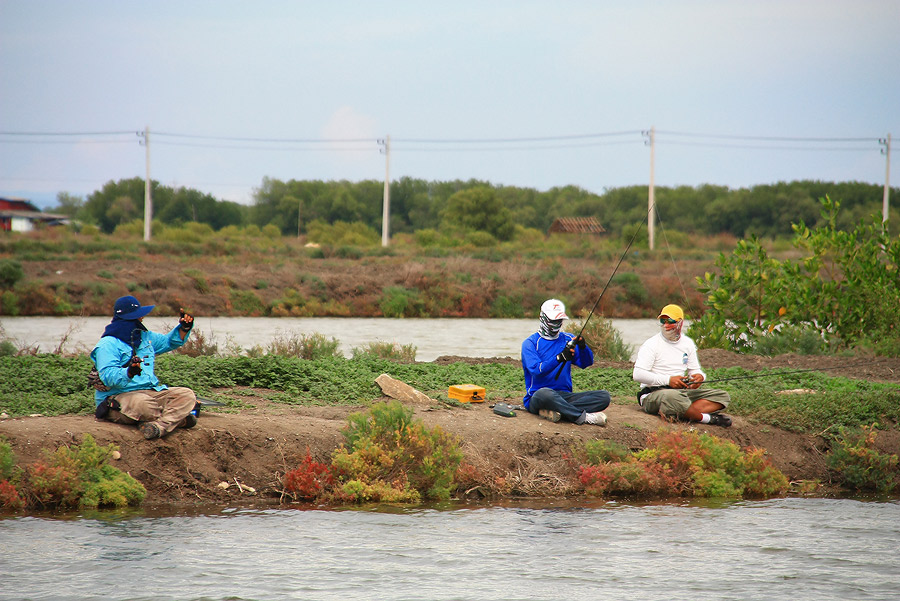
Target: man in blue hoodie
[(547, 359), (127, 390)]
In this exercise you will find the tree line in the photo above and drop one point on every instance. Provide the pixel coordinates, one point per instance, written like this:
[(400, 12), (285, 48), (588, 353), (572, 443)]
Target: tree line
[(294, 206)]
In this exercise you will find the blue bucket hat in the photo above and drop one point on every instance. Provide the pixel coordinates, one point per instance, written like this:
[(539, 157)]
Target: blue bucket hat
[(129, 308)]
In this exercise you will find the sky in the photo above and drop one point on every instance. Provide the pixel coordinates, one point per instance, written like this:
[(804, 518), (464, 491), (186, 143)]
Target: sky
[(523, 93)]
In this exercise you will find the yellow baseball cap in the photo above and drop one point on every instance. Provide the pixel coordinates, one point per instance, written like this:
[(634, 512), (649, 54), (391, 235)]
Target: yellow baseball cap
[(672, 311)]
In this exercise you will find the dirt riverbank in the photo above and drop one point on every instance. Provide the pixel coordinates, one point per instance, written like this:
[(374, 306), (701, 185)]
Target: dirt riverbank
[(251, 449)]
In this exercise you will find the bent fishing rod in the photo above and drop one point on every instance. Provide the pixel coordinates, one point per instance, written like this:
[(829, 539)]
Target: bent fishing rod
[(571, 344), (790, 372)]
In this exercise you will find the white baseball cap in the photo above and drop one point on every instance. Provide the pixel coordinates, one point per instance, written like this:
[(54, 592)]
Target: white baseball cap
[(554, 309)]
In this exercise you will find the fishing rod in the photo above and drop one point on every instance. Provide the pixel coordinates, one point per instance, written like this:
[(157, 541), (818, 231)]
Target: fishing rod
[(793, 371), (571, 344)]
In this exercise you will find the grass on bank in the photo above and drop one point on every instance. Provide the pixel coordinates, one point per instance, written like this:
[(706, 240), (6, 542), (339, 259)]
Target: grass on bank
[(53, 385)]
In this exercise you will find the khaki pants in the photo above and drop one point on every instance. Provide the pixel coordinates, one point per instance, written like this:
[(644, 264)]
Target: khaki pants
[(672, 402), (166, 408)]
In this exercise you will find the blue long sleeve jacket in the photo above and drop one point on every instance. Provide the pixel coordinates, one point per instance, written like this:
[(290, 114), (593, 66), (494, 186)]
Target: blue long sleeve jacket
[(540, 365), (111, 356)]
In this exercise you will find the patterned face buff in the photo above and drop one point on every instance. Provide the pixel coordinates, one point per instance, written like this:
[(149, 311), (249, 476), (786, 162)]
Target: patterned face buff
[(671, 329), (550, 327)]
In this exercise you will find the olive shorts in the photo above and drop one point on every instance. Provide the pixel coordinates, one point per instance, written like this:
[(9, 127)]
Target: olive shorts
[(673, 402)]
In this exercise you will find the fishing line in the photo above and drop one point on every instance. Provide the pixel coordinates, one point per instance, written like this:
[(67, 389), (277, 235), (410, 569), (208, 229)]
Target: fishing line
[(793, 371), (684, 294), (615, 269), (602, 292)]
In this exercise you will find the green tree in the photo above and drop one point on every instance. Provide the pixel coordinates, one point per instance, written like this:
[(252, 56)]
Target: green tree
[(479, 209), (845, 288), (67, 204)]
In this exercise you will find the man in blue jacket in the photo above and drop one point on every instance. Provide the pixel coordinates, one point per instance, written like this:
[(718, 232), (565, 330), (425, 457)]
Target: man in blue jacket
[(127, 390), (547, 359)]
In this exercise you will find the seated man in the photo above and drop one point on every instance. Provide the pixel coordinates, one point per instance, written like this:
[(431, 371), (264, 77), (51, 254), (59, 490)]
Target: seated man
[(547, 358), (127, 390), (668, 368)]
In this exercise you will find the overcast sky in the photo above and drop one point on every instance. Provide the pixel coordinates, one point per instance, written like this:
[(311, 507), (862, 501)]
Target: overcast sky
[(526, 93)]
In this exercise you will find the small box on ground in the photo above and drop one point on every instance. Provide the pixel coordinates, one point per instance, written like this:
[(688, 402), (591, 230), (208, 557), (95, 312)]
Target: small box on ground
[(466, 393)]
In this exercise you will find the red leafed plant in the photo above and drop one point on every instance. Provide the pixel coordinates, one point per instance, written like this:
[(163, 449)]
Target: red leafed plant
[(310, 479)]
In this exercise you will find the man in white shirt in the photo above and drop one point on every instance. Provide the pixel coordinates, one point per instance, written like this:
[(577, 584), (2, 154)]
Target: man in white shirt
[(669, 370)]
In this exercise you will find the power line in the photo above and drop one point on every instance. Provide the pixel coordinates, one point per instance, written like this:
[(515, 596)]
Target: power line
[(749, 147), (510, 148), (267, 140), (67, 133), (275, 148), (516, 140), (765, 138)]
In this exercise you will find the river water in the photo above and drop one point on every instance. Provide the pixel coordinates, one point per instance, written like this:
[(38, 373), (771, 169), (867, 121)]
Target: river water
[(798, 549), (431, 337)]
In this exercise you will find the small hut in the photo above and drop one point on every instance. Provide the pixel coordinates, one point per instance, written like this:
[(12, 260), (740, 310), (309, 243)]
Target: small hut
[(576, 225)]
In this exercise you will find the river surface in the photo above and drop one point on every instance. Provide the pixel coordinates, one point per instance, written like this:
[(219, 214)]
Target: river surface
[(431, 337), (798, 549)]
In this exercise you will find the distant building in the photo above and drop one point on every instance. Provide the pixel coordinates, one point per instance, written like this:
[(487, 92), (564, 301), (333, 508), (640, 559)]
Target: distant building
[(576, 225), (19, 215)]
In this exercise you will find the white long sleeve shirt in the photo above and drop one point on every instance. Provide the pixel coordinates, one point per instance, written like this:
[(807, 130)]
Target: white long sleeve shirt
[(659, 359)]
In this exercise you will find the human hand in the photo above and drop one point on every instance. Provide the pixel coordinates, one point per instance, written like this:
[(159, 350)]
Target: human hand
[(678, 382), (134, 368), (186, 322), (695, 381), (567, 354), (579, 341)]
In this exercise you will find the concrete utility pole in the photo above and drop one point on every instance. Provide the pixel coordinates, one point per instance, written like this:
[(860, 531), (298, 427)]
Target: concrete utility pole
[(386, 205), (651, 196), (148, 199), (886, 142)]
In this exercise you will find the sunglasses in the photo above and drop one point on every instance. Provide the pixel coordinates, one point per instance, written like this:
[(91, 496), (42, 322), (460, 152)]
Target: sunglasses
[(667, 320)]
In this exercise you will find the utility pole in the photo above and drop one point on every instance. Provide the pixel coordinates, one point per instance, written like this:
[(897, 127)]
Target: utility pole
[(651, 195), (148, 199), (386, 205), (886, 151)]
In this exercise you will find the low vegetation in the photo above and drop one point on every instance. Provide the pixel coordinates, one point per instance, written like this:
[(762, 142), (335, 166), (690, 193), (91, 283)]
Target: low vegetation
[(388, 457), (79, 476), (680, 464)]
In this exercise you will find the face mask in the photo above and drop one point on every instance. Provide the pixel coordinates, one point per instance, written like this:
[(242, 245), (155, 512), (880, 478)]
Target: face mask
[(550, 327), (674, 334)]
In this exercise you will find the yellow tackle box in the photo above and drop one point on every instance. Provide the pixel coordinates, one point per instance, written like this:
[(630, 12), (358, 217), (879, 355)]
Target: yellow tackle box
[(466, 393)]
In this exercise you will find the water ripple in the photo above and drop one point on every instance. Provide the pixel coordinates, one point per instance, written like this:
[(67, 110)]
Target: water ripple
[(797, 548)]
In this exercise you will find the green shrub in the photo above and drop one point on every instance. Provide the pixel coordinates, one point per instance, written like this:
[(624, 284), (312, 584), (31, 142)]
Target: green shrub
[(200, 282), (197, 344), (81, 477), (601, 336), (8, 348), (391, 457), (858, 465), (509, 307), (8, 469), (246, 302), (397, 301), (678, 464), (481, 239), (799, 339), (9, 303), (391, 351), (10, 273), (632, 288), (427, 237), (304, 346)]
